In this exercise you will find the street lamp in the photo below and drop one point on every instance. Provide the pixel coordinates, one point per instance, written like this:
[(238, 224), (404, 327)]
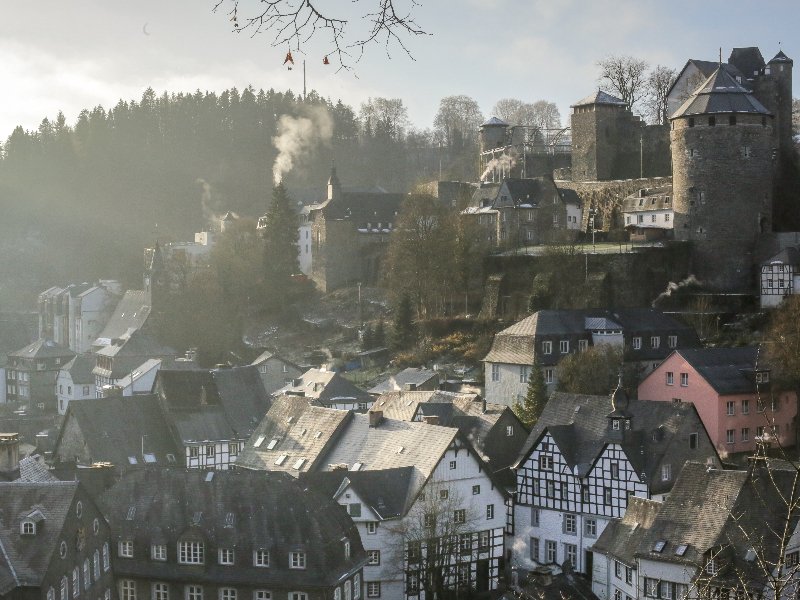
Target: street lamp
[(592, 214)]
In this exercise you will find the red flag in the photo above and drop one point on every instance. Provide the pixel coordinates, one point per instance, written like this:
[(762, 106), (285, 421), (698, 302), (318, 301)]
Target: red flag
[(325, 61)]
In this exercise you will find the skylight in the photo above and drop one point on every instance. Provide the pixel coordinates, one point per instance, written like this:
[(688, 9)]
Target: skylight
[(209, 475), (681, 550), (659, 546), (272, 443), (356, 466), (280, 460), (259, 441), (132, 460), (298, 463), (149, 458)]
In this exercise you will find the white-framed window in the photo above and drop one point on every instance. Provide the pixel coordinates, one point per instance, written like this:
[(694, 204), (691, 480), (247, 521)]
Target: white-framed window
[(160, 591), (495, 372), (509, 430), (730, 408), (356, 586), (563, 346), (261, 558), (730, 436), (87, 575), (590, 527), (650, 587), (670, 378), (745, 407), (64, 588), (614, 470), (524, 373), (444, 494), (127, 589), (348, 591), (459, 516), (191, 553), (672, 340), (684, 379), (76, 583), (745, 434), (490, 511), (194, 592), (570, 523), (262, 595), (158, 552), (655, 341), (534, 549), (583, 345), (666, 472), (227, 593), (125, 549), (571, 554), (373, 557), (711, 567), (373, 589), (452, 465), (225, 556), (297, 560), (547, 347), (637, 343), (194, 451), (550, 551), (549, 375), (534, 516), (106, 561), (372, 527), (545, 462), (96, 565)]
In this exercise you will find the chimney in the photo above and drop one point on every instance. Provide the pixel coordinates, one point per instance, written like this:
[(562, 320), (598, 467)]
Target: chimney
[(483, 403), (431, 419), (9, 452), (375, 418)]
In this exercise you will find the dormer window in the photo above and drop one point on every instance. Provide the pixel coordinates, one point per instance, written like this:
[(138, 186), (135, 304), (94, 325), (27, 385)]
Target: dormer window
[(615, 424), (712, 567), (27, 527)]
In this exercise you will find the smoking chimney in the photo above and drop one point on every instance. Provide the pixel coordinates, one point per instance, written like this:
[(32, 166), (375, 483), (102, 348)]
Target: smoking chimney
[(375, 418)]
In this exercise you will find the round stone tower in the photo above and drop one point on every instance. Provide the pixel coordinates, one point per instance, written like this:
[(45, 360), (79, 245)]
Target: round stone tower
[(722, 167), (779, 69), (493, 134)]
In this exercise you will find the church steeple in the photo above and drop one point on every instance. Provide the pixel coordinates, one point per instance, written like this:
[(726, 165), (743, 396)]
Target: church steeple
[(334, 186), (619, 419)]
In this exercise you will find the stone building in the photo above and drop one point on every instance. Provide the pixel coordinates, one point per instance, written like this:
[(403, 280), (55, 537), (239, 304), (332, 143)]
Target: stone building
[(723, 160), (610, 142), (350, 234), (32, 371), (648, 214)]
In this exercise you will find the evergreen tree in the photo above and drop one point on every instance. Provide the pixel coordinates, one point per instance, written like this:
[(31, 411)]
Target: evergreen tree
[(403, 332), (367, 338), (280, 249), (533, 404), (379, 335)]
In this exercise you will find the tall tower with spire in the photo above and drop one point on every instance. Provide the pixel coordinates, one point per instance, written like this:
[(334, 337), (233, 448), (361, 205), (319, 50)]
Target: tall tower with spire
[(155, 277)]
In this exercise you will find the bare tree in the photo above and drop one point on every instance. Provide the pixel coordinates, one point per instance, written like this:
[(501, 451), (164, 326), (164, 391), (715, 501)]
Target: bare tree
[(624, 76), (796, 115), (293, 23), (546, 115), (387, 116), (514, 111), (456, 124), (659, 82)]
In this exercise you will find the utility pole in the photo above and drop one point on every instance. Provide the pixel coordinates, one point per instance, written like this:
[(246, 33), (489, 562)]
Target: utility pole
[(305, 97)]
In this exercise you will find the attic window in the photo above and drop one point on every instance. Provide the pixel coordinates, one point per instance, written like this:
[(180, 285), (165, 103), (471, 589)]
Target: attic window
[(659, 546), (356, 466), (272, 443), (290, 419), (681, 549), (299, 463), (209, 476), (131, 513), (229, 519), (132, 460), (280, 460), (27, 527), (149, 458), (401, 449), (259, 441)]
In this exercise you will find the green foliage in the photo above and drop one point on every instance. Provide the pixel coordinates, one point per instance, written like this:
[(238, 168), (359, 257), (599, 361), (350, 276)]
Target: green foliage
[(404, 334), (593, 371), (280, 250), (535, 399)]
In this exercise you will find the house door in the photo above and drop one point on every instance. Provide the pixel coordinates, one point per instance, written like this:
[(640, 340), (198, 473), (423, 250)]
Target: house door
[(482, 575), (588, 561)]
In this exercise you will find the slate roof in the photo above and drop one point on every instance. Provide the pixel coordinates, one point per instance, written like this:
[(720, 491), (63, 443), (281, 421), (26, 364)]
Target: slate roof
[(325, 387), (727, 370), (101, 422), (24, 560), (781, 57), (215, 404), (659, 198), (659, 431), (80, 369), (33, 469), (525, 192), (621, 537), (494, 121), (241, 510), (599, 97), (384, 491), (266, 355), (720, 93), (130, 314), (787, 256), (362, 207), (43, 349), (411, 376), (299, 429), (748, 60)]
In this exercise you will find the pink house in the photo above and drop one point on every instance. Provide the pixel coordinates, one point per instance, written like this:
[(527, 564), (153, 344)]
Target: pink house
[(732, 393)]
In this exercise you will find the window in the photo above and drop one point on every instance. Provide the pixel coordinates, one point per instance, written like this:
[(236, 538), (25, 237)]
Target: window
[(684, 379), (297, 560), (194, 592), (570, 523), (226, 556), (637, 343), (666, 220), (730, 407), (125, 549), (64, 588), (607, 495), (760, 431), (672, 340), (429, 521), (614, 470), (524, 373), (547, 347), (233, 449), (191, 553), (550, 551), (412, 584), (711, 567), (670, 378), (372, 527), (373, 589), (534, 517), (666, 472), (227, 593), (509, 433), (495, 372), (211, 451), (583, 345), (194, 452), (298, 596), (158, 552), (76, 583), (490, 511), (745, 407), (652, 218), (545, 462), (640, 218), (127, 589), (262, 595), (28, 528), (354, 509), (730, 436), (563, 346), (590, 527), (792, 559), (693, 440), (86, 390), (96, 565), (373, 557), (655, 341), (160, 591), (356, 586), (549, 375), (745, 434), (617, 569), (452, 465), (87, 575), (712, 120), (571, 554), (650, 587), (459, 516)]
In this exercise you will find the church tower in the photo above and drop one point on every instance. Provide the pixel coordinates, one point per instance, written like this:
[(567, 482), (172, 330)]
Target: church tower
[(722, 165), (334, 186), (155, 277)]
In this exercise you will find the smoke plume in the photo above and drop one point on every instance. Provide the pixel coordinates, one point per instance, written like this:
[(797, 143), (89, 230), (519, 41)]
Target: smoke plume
[(209, 206), (502, 163), (298, 137), (673, 289)]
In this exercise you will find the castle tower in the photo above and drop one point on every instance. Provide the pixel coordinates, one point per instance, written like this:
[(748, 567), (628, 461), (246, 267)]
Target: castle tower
[(598, 137), (493, 134), (779, 70), (722, 166)]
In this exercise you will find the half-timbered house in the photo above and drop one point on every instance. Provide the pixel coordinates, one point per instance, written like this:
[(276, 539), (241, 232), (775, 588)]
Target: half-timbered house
[(583, 461)]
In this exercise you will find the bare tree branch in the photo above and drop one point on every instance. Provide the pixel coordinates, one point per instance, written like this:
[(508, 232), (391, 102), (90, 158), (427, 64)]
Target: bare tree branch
[(294, 22)]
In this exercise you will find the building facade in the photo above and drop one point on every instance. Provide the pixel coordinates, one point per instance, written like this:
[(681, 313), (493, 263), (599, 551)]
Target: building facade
[(31, 374)]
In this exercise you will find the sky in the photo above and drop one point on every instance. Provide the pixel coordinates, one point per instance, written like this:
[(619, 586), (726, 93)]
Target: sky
[(73, 55)]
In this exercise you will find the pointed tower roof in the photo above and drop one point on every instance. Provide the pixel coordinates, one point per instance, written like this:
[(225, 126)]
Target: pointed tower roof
[(780, 57), (157, 260), (333, 179), (600, 97), (619, 401), (494, 122), (720, 93)]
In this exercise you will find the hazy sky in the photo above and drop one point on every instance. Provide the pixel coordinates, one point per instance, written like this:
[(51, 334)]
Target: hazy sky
[(78, 54)]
